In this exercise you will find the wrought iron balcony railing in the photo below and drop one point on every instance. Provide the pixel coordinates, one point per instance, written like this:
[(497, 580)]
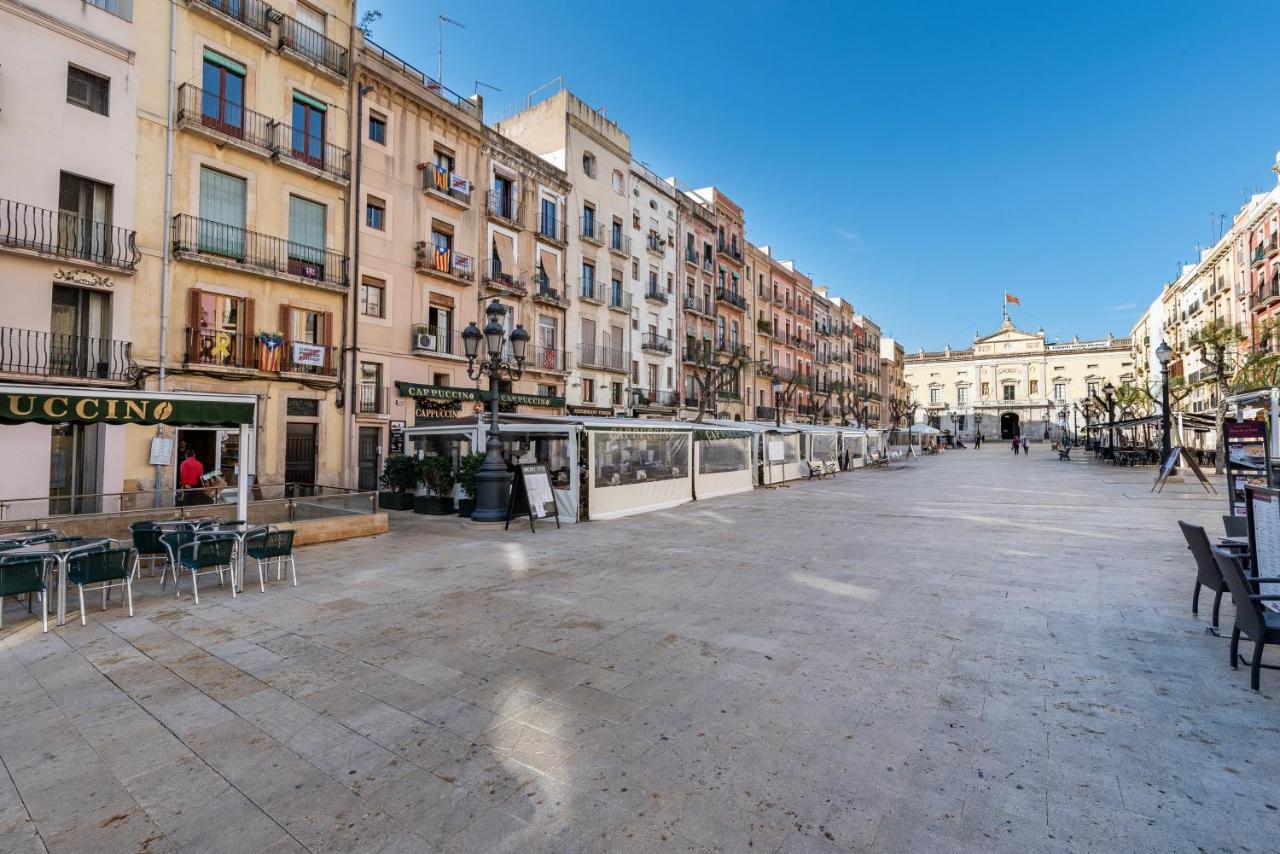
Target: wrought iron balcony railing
[(551, 228), (254, 14), (619, 242), (215, 242), (437, 179), (65, 235), (544, 292), (591, 229), (210, 111), (590, 290), (371, 399), (697, 305), (619, 300), (314, 46), (37, 353), (592, 356), (302, 357), (731, 296), (503, 280), (655, 342), (655, 293), (293, 144), (655, 397), (221, 348), (547, 359), (504, 207), (691, 255), (654, 243)]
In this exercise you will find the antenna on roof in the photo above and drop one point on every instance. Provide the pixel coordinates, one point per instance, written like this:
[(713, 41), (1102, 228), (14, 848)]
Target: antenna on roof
[(444, 19), (476, 89)]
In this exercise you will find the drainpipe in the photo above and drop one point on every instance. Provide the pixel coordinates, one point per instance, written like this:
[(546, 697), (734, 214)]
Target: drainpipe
[(353, 385), (165, 242)]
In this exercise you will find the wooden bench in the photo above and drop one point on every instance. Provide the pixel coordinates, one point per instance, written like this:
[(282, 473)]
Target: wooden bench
[(1064, 453), (820, 469)]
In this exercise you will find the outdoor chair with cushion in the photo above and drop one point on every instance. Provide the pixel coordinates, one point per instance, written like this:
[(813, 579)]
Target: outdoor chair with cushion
[(101, 570), (1253, 620), (24, 574), (1235, 526), (147, 546), (205, 554), (266, 547), (1207, 574)]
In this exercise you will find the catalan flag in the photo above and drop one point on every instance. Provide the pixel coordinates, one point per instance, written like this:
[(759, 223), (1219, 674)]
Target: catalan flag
[(1010, 298), (441, 259), (442, 179)]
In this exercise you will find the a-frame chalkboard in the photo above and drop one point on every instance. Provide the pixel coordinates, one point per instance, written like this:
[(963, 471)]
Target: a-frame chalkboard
[(531, 495)]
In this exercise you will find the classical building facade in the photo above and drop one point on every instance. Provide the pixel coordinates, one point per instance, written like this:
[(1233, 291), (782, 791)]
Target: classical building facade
[(1013, 383), (651, 285)]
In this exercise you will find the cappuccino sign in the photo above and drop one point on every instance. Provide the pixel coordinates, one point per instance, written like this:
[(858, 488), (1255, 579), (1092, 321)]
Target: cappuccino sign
[(23, 407)]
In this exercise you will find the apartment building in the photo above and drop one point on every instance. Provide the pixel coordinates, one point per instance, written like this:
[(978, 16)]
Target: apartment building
[(867, 371), (696, 224), (596, 156), (67, 239), (824, 386), (760, 396), (652, 289), (730, 298), (892, 384)]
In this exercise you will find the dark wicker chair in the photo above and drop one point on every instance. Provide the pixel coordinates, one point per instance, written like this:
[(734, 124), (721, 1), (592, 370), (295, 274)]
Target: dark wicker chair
[(1235, 526), (101, 570), (24, 574), (266, 547), (1207, 574), (1253, 620), (204, 554)]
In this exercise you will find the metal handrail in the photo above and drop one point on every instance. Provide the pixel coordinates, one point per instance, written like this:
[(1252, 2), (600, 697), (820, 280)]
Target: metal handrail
[(232, 244), (313, 45), (292, 144), (53, 354), (254, 14), (24, 226)]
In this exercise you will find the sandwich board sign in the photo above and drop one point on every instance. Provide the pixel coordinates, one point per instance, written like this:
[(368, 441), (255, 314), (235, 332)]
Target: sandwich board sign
[(531, 495)]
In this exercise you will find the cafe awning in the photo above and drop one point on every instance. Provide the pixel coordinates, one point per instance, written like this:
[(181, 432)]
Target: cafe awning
[(84, 405)]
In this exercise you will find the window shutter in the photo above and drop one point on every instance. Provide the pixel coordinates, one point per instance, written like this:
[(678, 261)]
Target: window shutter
[(247, 332), (193, 323), (327, 338), (286, 328)]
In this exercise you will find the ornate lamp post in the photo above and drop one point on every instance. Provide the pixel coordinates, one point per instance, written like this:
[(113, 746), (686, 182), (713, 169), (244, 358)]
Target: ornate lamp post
[(1062, 416), (1164, 353), (777, 401), (1110, 392), (493, 482)]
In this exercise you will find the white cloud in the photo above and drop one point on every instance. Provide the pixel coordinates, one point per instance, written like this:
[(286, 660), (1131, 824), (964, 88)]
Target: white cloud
[(1124, 306), (852, 239)]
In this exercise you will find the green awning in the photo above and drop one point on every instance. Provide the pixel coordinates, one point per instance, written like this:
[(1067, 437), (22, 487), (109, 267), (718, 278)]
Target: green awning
[(309, 101), (88, 408), (447, 392), (229, 64), (712, 435)]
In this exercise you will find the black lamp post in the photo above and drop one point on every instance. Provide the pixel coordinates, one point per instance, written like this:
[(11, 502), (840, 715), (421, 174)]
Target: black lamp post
[(1110, 392), (1164, 353), (777, 401), (1062, 416), (493, 482)]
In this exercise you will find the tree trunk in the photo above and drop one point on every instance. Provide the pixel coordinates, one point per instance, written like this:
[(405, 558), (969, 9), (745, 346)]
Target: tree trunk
[(1220, 418)]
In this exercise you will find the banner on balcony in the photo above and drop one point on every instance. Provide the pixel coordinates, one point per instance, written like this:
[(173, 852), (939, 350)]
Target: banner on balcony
[(462, 264), (22, 408), (308, 355), (460, 184)]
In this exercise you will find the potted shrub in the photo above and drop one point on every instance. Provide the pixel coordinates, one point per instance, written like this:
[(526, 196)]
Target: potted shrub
[(437, 474), (400, 475), (468, 468)]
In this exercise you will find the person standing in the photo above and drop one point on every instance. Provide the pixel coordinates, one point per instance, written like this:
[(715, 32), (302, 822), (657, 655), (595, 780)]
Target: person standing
[(1024, 444), (190, 472), (1015, 446)]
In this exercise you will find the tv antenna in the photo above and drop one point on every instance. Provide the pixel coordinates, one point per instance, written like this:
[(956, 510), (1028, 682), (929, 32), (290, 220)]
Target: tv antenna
[(444, 19), (479, 83)]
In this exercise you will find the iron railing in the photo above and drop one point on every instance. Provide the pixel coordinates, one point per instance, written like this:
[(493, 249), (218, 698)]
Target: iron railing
[(698, 305), (294, 144), (691, 255), (303, 360), (725, 247), (65, 235), (590, 291), (222, 349), (52, 354), (435, 180), (619, 242), (654, 397), (619, 299), (371, 399), (592, 356), (306, 42), (654, 243), (551, 228), (254, 14), (547, 359), (544, 292), (504, 207), (732, 297), (467, 106), (227, 118), (656, 342), (504, 280), (229, 244), (431, 339), (590, 228), (656, 293)]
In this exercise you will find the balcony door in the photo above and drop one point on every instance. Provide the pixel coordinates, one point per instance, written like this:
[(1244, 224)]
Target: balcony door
[(84, 218), (222, 213), (79, 333), (306, 237), (74, 463), (307, 141), (222, 94)]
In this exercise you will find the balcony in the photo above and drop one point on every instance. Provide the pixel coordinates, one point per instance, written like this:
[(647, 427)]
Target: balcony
[(729, 249), (655, 244), (732, 297), (501, 281), (1259, 255), (544, 293), (589, 290), (655, 343), (729, 394), (35, 353), (447, 263), (302, 357), (1273, 244), (311, 46), (591, 230), (654, 293), (503, 207), (691, 256), (548, 359), (698, 305), (602, 358), (764, 327), (619, 243), (446, 185), (551, 229), (225, 120), (690, 400), (237, 248), (294, 148), (765, 413), (253, 14), (652, 397), (371, 399), (217, 348), (619, 300), (732, 348), (61, 235), (778, 300), (432, 340), (707, 263), (695, 352)]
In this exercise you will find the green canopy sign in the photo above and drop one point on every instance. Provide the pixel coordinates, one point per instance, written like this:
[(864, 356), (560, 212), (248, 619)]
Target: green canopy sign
[(80, 408), (448, 392)]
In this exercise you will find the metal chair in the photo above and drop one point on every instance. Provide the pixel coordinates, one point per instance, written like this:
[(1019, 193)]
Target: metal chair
[(266, 546), (100, 570), (45, 536), (1256, 622), (1235, 526), (25, 574), (147, 546), (205, 554), (173, 539), (1207, 574)]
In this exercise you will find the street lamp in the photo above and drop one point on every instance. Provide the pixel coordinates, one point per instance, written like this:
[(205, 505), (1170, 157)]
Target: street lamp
[(1109, 391), (1164, 353), (777, 401), (493, 481)]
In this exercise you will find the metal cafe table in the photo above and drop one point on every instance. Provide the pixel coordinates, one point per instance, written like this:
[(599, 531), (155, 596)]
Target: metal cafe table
[(241, 531), (61, 551)]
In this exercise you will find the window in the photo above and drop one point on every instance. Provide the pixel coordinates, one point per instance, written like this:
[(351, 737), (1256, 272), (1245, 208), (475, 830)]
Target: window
[(306, 237), (503, 202), (79, 322), (588, 390), (305, 326), (548, 225), (615, 395), (617, 182), (310, 17), (1034, 388), (307, 137), (370, 398), (986, 390), (589, 164), (588, 280), (222, 101), (962, 394), (546, 390), (1010, 392), (375, 213), (589, 221), (373, 297), (377, 128), (218, 333), (440, 324), (935, 395), (1092, 389), (84, 217), (88, 90), (222, 213)]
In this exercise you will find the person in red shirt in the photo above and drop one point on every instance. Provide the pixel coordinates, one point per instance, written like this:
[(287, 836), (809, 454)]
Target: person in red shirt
[(190, 471)]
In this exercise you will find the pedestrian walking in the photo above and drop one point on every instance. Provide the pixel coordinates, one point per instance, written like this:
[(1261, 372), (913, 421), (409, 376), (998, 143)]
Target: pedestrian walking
[(1024, 444), (977, 443), (1015, 445)]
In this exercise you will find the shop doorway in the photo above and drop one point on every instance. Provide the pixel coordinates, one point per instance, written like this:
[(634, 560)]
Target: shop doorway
[(369, 451), (300, 458), (1010, 426), (74, 467)]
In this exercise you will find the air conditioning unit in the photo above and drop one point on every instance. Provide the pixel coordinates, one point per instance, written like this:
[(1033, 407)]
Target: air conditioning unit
[(424, 341)]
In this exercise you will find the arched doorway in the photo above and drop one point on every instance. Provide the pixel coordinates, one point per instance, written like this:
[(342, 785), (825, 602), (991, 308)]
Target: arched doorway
[(1010, 426)]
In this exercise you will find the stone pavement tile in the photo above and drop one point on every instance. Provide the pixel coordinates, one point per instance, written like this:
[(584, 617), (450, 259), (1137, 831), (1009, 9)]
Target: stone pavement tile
[(360, 764), (561, 719), (611, 707), (434, 810), (486, 774), (522, 743), (426, 746), (463, 719)]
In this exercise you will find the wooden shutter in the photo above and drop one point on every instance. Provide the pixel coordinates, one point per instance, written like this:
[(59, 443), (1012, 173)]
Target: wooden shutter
[(247, 333), (286, 327), (193, 324), (326, 337)]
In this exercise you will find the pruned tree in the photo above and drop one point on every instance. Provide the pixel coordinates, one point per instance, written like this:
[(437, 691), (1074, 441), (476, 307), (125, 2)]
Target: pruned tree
[(712, 373), (1218, 344), (902, 409), (367, 20)]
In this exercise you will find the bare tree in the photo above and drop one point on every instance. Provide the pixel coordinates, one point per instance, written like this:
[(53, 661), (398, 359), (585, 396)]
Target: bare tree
[(902, 409), (1218, 344), (712, 373)]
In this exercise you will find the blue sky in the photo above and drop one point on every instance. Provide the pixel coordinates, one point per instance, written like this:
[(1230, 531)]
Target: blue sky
[(918, 158)]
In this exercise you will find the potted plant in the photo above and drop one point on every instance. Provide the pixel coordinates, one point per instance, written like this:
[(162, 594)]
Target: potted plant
[(400, 475), (468, 468), (437, 474)]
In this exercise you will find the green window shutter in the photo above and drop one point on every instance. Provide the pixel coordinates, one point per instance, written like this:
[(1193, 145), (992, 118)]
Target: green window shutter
[(306, 229), (309, 101), (229, 64)]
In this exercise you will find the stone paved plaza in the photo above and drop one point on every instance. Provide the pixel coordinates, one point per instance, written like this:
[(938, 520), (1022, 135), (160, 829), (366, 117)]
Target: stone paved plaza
[(975, 652)]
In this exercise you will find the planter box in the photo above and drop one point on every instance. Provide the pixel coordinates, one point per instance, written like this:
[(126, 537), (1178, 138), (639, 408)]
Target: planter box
[(466, 506), (433, 505), (395, 500)]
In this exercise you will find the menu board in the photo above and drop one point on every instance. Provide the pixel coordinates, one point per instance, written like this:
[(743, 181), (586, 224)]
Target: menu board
[(1247, 454), (777, 450), (531, 495), (1264, 537)]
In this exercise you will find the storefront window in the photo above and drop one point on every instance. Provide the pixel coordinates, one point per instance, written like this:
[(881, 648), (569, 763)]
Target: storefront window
[(717, 456), (519, 448), (824, 446), (627, 458)]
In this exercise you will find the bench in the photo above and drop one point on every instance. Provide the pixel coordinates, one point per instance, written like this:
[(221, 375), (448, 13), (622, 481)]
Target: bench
[(820, 469), (1064, 454)]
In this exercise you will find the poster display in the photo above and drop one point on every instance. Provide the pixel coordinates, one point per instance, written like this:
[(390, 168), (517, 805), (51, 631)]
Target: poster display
[(1248, 450), (777, 450), (396, 444), (1264, 537), (308, 355)]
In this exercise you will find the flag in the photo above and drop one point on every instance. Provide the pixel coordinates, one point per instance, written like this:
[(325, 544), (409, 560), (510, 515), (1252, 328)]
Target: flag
[(548, 358), (442, 179), (441, 259), (1010, 298)]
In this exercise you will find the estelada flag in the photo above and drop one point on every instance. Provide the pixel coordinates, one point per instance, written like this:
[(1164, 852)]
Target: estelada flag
[(1008, 297)]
